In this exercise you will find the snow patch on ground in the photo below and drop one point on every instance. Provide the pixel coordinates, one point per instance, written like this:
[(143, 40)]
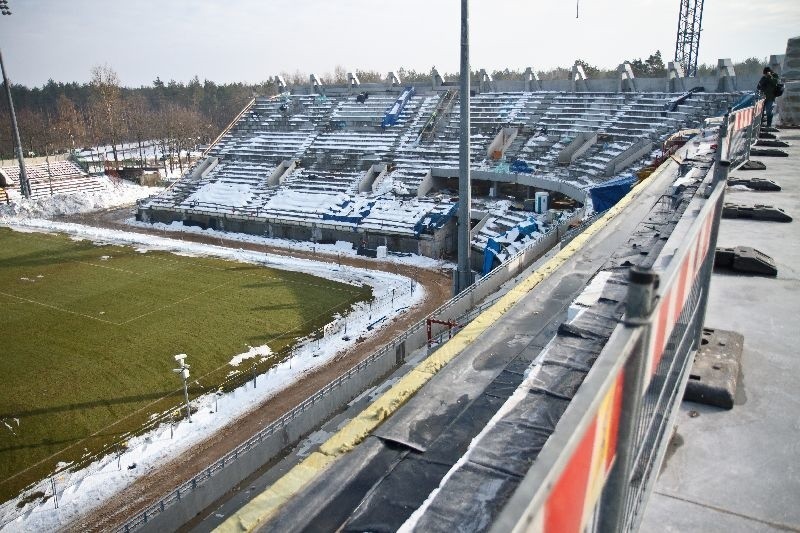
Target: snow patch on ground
[(69, 204), (259, 351)]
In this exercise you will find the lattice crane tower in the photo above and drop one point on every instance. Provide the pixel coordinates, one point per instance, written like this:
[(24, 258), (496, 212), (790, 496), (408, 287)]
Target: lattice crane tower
[(687, 44)]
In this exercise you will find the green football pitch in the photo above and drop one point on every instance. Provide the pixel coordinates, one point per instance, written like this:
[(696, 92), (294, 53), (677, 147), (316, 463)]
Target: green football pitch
[(89, 333)]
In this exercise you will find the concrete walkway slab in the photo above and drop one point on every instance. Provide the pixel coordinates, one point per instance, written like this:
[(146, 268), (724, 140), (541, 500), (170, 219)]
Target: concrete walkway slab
[(739, 470)]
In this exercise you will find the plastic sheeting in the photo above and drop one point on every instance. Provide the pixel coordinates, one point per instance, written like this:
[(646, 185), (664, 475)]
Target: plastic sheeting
[(475, 493), (608, 194), (489, 255)]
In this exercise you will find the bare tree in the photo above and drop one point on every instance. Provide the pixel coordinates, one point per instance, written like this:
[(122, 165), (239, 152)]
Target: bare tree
[(369, 76), (105, 82), (139, 119), (69, 124)]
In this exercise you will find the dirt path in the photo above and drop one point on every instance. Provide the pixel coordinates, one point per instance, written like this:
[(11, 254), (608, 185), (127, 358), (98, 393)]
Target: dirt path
[(152, 486)]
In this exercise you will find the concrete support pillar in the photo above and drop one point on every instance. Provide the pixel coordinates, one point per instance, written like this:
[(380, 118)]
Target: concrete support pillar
[(353, 81), (726, 76), (627, 81), (436, 79), (281, 83), (577, 78), (393, 80), (531, 80), (316, 84), (676, 78), (484, 81), (776, 63)]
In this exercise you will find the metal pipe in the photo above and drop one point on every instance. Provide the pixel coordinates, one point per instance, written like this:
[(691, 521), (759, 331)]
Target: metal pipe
[(24, 186), (639, 307), (186, 397), (464, 185)]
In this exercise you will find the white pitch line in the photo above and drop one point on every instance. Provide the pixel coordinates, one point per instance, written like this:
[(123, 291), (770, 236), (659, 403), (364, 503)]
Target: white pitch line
[(59, 309), (109, 268), (176, 302)]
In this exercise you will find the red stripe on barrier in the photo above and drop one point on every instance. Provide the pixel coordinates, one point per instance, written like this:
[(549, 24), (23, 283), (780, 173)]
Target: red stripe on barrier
[(681, 290), (705, 237), (698, 257), (660, 331), (613, 431), (563, 510)]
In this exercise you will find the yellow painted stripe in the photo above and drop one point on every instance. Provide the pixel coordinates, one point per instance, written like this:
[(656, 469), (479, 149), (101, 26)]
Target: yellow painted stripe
[(265, 505)]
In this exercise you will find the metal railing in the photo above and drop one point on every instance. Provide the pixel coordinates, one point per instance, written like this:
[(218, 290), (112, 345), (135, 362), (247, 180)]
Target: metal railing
[(598, 468)]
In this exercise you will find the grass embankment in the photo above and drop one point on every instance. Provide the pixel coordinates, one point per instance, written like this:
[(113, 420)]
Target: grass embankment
[(89, 333)]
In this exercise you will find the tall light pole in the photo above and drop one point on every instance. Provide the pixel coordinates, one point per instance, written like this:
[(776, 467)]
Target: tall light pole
[(183, 370), (24, 186), (464, 186)]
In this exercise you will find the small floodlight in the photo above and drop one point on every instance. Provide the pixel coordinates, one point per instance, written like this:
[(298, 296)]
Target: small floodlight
[(183, 370)]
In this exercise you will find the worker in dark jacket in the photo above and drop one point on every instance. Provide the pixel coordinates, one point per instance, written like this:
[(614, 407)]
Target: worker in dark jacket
[(768, 85)]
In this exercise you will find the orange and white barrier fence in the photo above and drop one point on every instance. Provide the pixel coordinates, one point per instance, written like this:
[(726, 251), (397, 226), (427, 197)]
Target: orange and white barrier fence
[(617, 425), (744, 126)]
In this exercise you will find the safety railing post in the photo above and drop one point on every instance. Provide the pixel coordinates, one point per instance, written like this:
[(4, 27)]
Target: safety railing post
[(750, 130), (638, 310), (721, 158)]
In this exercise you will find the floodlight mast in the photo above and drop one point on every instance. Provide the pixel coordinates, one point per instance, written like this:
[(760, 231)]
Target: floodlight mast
[(464, 275), (183, 370), (24, 185)]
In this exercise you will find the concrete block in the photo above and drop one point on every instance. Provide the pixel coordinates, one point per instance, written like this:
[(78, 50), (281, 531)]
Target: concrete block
[(746, 260), (768, 152), (771, 143), (753, 165), (755, 212), (757, 184), (715, 372)]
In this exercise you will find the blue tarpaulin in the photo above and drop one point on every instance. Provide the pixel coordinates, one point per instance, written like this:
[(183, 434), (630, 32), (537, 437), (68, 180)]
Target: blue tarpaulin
[(489, 253), (530, 227), (609, 193), (435, 220), (745, 101), (520, 167), (493, 247)]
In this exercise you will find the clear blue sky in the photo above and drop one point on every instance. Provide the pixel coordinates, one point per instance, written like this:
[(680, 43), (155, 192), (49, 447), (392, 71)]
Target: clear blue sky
[(251, 40)]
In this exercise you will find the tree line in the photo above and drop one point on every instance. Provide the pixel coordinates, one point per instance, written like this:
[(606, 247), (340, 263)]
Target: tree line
[(59, 117)]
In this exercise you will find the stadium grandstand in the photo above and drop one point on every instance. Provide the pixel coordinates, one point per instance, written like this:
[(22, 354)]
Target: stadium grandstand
[(377, 164), (49, 178)]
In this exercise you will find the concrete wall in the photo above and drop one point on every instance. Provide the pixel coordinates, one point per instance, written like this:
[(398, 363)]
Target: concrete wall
[(429, 245), (227, 474)]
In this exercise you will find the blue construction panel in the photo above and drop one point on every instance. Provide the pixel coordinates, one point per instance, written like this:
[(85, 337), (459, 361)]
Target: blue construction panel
[(393, 113)]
